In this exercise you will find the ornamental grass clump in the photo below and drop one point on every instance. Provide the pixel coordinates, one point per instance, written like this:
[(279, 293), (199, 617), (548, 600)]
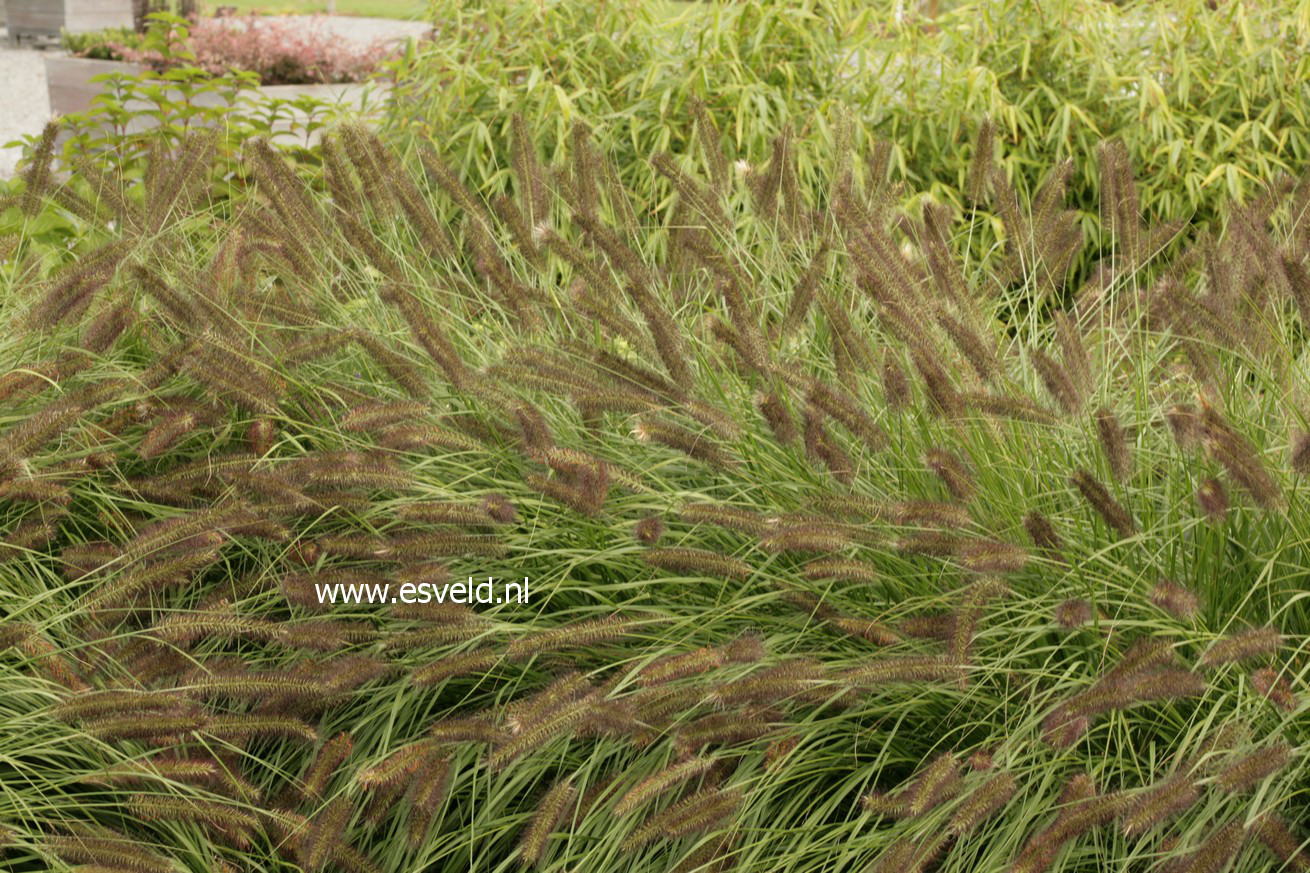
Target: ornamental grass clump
[(813, 543)]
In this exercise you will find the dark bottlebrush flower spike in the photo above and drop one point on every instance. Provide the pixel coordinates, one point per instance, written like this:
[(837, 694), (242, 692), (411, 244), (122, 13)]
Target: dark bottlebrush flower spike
[(699, 446), (799, 678), (569, 716), (426, 796), (326, 829), (1216, 851), (1249, 770), (747, 649), (980, 166), (649, 530), (927, 513), (1042, 533), (895, 385), (1270, 685), (231, 822), (806, 537), (570, 687), (935, 784), (168, 433), (1278, 838), (239, 728), (433, 340), (1148, 807), (982, 803), (1057, 381), (93, 704), (475, 661), (1113, 513), (1242, 646), (697, 561), (325, 765), (397, 767), (1175, 599), (1237, 455), (551, 810), (102, 849), (725, 729), (574, 635), (660, 782), (693, 814), (979, 353), (953, 473), (842, 570), (499, 508), (907, 668), (934, 544), (1073, 614), (1114, 444), (1213, 499), (777, 416), (990, 556)]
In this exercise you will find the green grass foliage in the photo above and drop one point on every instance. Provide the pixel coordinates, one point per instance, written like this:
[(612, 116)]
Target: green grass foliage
[(846, 553), (1210, 102)]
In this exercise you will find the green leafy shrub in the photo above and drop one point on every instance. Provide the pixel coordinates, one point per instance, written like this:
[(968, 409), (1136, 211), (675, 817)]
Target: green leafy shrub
[(833, 562), (1211, 103), (100, 45)]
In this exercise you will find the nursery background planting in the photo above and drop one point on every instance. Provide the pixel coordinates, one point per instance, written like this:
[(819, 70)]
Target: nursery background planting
[(902, 422)]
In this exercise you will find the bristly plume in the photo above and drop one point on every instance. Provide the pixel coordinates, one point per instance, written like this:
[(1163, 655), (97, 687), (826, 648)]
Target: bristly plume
[(1073, 352), (431, 337), (1215, 852), (1249, 770), (649, 530), (1270, 685), (1177, 600), (573, 635), (37, 178), (952, 471), (980, 166), (101, 849), (746, 649), (712, 145), (702, 447), (697, 561), (1243, 646), (1145, 809), (329, 758), (693, 814), (326, 830), (1042, 533), (426, 795), (895, 385), (1279, 840), (661, 781), (1073, 613), (1213, 499), (1114, 444), (1114, 514), (552, 808), (983, 802), (1057, 381), (475, 661), (1239, 457)]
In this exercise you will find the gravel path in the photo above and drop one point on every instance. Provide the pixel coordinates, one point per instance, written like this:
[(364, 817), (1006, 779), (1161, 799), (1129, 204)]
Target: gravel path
[(25, 103)]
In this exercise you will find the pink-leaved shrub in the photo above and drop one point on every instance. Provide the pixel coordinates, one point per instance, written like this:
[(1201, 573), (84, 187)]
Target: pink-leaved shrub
[(281, 51)]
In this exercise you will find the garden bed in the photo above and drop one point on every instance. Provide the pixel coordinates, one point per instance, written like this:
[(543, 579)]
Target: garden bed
[(75, 82)]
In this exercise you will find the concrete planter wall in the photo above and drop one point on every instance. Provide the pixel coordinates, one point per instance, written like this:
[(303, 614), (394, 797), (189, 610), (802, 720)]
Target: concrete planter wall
[(71, 90), (45, 18)]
